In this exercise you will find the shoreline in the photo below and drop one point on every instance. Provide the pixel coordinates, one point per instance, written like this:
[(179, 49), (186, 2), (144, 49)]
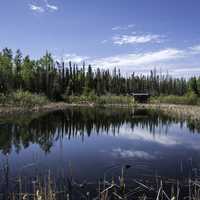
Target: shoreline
[(13, 110), (183, 112), (180, 111), (6, 110)]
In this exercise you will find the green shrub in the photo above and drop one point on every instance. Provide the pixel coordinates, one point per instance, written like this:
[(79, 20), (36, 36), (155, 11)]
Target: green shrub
[(99, 100), (27, 99), (3, 98), (188, 99), (109, 99), (23, 99)]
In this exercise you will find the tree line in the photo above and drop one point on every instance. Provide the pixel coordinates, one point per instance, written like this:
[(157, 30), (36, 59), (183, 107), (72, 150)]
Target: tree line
[(55, 79)]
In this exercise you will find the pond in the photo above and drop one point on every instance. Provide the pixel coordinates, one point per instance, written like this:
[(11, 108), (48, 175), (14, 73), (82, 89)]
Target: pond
[(89, 143)]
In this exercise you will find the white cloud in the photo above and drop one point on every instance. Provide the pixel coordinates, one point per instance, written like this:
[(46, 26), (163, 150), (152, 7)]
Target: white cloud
[(104, 41), (177, 62), (74, 58), (131, 26), (143, 134), (52, 7), (171, 139), (131, 154), (136, 39), (195, 49), (41, 9), (131, 60), (116, 28), (35, 8)]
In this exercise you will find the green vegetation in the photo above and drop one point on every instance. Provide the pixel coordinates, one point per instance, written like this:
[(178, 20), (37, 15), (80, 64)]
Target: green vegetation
[(187, 99), (67, 81), (100, 100), (23, 99)]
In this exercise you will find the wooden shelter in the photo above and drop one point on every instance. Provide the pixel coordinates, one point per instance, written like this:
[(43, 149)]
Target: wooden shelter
[(141, 97)]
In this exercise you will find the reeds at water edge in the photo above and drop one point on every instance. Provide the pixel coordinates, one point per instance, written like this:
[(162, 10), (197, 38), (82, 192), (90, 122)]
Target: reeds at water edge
[(120, 187)]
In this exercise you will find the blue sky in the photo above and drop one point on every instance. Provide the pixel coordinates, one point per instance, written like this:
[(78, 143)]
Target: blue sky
[(133, 35)]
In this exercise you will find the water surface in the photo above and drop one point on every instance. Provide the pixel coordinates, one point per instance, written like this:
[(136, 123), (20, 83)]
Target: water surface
[(90, 142)]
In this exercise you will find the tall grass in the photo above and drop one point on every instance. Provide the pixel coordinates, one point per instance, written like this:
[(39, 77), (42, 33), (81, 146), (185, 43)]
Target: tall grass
[(118, 188)]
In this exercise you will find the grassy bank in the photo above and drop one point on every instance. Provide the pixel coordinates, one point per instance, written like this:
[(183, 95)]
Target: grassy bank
[(184, 107), (23, 102), (188, 99), (99, 100), (27, 99), (23, 99)]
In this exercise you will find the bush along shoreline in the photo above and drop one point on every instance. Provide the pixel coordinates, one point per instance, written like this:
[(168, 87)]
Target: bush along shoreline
[(188, 99), (23, 99), (104, 100), (184, 107)]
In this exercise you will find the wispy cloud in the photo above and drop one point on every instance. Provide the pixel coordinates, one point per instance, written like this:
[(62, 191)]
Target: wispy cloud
[(172, 139), (73, 58), (195, 49), (116, 28), (136, 39), (130, 60), (131, 154), (46, 6), (104, 41), (51, 7), (36, 8), (173, 60)]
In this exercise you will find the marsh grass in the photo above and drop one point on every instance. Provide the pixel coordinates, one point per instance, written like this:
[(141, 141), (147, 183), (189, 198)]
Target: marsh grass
[(121, 187)]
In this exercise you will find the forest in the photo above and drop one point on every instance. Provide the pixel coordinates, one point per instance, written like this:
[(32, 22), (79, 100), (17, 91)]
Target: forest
[(56, 79)]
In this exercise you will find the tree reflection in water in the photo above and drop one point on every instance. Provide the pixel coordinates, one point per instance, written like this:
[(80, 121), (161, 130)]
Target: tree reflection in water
[(77, 122)]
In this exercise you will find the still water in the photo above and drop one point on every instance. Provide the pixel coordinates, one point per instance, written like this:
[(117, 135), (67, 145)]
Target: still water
[(87, 143)]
